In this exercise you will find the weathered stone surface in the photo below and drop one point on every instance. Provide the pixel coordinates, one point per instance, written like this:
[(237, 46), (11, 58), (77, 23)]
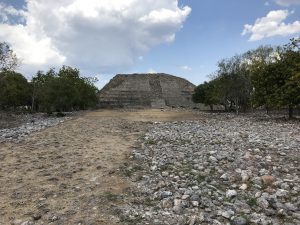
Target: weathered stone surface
[(146, 90)]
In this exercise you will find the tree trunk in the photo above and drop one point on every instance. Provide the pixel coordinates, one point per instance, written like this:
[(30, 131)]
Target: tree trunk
[(230, 109), (211, 107), (33, 99), (267, 109), (225, 106), (32, 103), (237, 105), (291, 111)]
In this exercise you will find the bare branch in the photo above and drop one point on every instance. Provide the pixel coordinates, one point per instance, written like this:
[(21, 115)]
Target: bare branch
[(8, 59)]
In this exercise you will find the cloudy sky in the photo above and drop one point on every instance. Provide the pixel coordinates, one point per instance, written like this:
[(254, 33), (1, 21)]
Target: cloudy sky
[(105, 37)]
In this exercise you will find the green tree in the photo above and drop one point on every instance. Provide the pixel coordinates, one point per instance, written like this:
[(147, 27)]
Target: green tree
[(14, 90), (63, 91), (286, 80), (206, 93), (43, 91), (87, 92), (277, 84), (233, 83), (258, 60)]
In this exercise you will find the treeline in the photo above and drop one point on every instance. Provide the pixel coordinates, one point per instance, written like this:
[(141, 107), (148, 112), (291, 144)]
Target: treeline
[(267, 77), (65, 90)]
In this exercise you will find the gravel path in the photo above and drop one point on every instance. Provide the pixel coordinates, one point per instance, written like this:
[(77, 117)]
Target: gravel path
[(66, 174)]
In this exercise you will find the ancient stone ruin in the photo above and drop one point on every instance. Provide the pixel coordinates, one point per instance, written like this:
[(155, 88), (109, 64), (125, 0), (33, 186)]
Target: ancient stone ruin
[(146, 90)]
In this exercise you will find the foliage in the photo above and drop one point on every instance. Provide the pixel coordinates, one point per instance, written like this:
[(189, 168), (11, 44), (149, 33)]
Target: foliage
[(266, 76), (259, 59), (205, 93), (63, 91), (277, 84), (234, 83), (14, 90), (50, 91), (8, 60), (230, 87)]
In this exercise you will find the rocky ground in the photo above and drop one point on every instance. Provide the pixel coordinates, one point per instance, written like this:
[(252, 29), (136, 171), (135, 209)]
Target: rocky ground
[(151, 167), (221, 169), (15, 127)]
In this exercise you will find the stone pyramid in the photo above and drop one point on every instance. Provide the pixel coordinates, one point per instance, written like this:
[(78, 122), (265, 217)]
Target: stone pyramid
[(146, 90)]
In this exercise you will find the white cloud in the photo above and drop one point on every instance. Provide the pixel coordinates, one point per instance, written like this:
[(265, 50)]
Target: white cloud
[(272, 25), (287, 2), (103, 36), (32, 50), (152, 71), (186, 68)]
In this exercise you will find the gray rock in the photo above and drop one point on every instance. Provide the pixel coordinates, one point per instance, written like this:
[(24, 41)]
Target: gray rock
[(195, 203), (165, 173), (231, 193), (239, 221), (213, 159), (192, 220), (227, 214), (225, 177), (290, 207), (195, 198), (262, 202), (166, 194)]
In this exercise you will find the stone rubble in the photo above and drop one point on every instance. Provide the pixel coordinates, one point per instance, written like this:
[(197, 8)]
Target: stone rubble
[(221, 169), (16, 134)]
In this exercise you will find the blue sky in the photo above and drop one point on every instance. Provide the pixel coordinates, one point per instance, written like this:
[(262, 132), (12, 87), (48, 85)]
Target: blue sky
[(210, 30)]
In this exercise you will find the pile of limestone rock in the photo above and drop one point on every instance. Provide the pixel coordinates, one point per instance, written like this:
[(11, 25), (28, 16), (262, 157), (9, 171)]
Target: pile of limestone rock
[(27, 125), (220, 170)]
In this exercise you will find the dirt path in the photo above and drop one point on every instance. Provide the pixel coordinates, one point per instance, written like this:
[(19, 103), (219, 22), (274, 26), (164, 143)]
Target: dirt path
[(68, 174)]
